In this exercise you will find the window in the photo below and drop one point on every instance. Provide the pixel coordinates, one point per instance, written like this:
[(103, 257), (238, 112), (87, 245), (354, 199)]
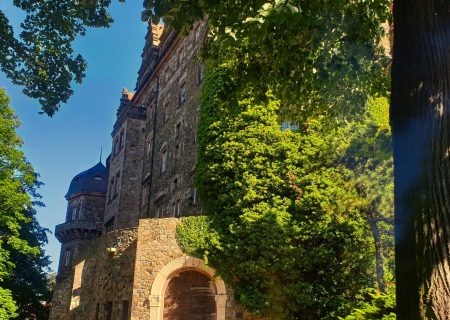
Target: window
[(166, 111), (97, 311), (144, 198), (178, 130), (116, 146), (125, 308), (183, 96), (163, 161), (109, 225), (293, 126), (174, 184), (74, 214), (176, 209), (108, 310), (121, 141), (68, 258), (117, 183), (149, 148), (111, 189), (177, 151), (201, 73), (160, 212), (194, 196)]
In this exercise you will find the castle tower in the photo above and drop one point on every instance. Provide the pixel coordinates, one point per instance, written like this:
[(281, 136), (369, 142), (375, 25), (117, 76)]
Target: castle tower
[(85, 210), (125, 166)]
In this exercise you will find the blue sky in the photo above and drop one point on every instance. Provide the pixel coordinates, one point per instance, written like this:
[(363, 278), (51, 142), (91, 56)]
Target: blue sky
[(62, 146)]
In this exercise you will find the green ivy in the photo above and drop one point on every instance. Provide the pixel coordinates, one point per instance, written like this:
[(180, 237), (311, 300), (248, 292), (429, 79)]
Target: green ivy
[(282, 224)]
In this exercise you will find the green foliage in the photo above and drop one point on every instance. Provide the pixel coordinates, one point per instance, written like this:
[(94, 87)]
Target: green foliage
[(296, 222), (28, 281), (17, 180), (366, 150), (316, 56), (41, 58), (22, 261), (7, 306), (380, 306), (281, 220), (194, 234)]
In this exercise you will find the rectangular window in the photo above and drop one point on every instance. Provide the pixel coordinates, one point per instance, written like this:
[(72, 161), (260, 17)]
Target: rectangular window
[(125, 308), (176, 209), (74, 214), (117, 183), (293, 126), (121, 141), (149, 148), (194, 196), (178, 130), (177, 151), (108, 310), (201, 73), (163, 161), (109, 225), (68, 258), (116, 146), (159, 212), (166, 111), (111, 189), (97, 311), (174, 184), (183, 96)]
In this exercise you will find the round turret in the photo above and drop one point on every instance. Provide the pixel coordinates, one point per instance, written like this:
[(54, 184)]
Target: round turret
[(93, 180), (86, 199)]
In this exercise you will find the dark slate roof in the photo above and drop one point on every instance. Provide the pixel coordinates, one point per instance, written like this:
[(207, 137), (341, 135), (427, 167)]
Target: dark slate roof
[(93, 180)]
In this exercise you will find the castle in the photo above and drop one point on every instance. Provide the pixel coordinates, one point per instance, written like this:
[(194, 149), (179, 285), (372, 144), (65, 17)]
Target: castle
[(119, 257)]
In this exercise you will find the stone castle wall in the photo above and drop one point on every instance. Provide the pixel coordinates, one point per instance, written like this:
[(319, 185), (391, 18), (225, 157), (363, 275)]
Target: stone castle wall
[(124, 273), (101, 278)]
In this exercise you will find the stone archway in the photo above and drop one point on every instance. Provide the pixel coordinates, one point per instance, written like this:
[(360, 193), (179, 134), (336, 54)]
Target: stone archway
[(175, 268)]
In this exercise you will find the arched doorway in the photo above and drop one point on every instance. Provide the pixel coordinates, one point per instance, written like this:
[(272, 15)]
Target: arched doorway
[(175, 267), (190, 295)]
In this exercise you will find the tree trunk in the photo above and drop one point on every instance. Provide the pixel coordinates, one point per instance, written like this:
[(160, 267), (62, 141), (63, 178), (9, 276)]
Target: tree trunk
[(379, 253), (420, 119)]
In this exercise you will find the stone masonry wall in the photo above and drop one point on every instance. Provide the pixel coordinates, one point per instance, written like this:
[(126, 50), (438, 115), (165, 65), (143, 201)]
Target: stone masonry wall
[(132, 173), (157, 247), (101, 280)]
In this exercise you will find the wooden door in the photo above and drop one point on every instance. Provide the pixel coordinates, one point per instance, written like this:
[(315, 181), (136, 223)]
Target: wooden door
[(190, 295)]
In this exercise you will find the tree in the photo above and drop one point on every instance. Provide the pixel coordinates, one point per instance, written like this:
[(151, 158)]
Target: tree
[(368, 156), (420, 126), (41, 58), (28, 281), (20, 235)]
